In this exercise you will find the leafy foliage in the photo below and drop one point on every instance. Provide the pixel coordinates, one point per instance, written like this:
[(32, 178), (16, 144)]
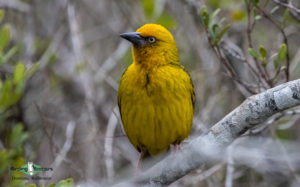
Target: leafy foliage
[(11, 91), (12, 87), (214, 29), (69, 182)]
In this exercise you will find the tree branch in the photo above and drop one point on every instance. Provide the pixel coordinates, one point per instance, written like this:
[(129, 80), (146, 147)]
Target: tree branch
[(253, 111)]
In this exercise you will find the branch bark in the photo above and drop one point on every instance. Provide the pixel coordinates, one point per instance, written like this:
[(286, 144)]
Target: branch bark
[(253, 111)]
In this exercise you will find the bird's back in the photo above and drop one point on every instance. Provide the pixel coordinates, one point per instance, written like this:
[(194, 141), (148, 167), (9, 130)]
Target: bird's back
[(156, 106)]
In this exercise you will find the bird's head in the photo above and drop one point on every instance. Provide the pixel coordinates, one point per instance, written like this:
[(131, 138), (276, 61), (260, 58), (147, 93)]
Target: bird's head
[(152, 45)]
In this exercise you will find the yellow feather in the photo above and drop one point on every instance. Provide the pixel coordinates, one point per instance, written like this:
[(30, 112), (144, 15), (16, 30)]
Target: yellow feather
[(156, 95)]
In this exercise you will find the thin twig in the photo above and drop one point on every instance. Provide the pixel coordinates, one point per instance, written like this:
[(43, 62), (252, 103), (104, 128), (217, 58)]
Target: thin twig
[(53, 46), (49, 135), (287, 160), (224, 62), (250, 27), (203, 175), (111, 61), (288, 4), (276, 74), (108, 145), (67, 145), (234, 52), (229, 68), (230, 167), (271, 121), (15, 5), (284, 38)]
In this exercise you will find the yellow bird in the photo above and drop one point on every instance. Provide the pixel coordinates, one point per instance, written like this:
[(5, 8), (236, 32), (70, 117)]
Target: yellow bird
[(156, 95)]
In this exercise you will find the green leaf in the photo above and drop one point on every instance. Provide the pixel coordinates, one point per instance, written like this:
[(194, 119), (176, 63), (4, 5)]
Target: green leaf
[(274, 55), (262, 51), (32, 70), (282, 53), (274, 9), (282, 68), (263, 54), (69, 182), (215, 13), (10, 93), (19, 73), (1, 15), (276, 64), (6, 159), (220, 35), (10, 53), (204, 16), (4, 36), (5, 94), (31, 185), (253, 53), (214, 30), (17, 137), (1, 60), (257, 17)]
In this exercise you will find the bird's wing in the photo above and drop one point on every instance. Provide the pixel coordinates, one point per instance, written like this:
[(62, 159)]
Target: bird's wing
[(193, 97), (119, 93)]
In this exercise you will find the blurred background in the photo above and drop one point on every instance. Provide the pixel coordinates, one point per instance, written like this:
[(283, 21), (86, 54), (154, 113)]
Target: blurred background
[(66, 116)]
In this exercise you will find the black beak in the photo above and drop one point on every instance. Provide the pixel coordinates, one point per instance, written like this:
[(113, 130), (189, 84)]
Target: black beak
[(134, 37)]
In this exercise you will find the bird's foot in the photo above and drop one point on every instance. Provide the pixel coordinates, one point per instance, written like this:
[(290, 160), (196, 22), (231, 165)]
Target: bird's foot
[(139, 164), (176, 149)]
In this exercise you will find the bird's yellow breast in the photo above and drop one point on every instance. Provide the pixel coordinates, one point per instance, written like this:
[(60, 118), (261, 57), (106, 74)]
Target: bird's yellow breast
[(156, 106)]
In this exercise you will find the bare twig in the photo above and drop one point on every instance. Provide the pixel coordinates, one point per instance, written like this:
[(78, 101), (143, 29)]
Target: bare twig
[(80, 56), (67, 145), (236, 52), (287, 4), (289, 124), (288, 162), (29, 37), (48, 134), (230, 166), (229, 68), (271, 121), (108, 145), (16, 5), (203, 175), (111, 61), (53, 46)]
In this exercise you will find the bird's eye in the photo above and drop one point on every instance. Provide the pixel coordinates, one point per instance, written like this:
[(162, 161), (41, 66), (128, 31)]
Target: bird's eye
[(151, 39)]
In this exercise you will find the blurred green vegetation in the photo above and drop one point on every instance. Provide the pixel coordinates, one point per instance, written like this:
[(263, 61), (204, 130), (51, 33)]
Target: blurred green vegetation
[(13, 135)]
